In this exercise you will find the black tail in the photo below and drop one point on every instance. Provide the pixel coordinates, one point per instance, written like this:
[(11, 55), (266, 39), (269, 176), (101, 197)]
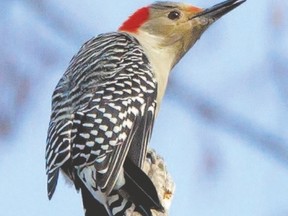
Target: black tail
[(91, 206), (141, 190)]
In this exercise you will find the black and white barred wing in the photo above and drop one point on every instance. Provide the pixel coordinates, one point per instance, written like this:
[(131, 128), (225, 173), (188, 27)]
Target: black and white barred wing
[(58, 141), (121, 107), (98, 106), (102, 136)]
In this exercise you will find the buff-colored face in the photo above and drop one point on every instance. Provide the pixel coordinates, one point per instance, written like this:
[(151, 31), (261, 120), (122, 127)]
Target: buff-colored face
[(175, 26), (172, 22)]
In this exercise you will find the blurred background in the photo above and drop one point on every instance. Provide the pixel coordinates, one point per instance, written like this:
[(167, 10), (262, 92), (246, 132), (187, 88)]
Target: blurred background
[(222, 127)]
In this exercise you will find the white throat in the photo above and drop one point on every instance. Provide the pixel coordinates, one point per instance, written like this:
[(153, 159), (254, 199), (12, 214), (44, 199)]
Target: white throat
[(161, 59)]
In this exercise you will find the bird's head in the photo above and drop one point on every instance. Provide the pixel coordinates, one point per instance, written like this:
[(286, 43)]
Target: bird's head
[(174, 27)]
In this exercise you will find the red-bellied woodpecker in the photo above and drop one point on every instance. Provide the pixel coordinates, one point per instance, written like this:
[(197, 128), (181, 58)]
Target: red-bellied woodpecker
[(104, 106)]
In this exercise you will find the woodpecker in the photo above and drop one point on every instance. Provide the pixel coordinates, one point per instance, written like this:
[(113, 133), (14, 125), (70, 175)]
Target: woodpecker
[(104, 106)]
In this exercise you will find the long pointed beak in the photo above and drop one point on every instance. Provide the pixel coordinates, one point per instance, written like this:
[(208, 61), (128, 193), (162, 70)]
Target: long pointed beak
[(220, 9)]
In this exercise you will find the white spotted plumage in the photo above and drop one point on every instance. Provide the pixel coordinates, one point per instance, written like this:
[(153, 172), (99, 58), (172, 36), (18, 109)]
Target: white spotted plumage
[(97, 108)]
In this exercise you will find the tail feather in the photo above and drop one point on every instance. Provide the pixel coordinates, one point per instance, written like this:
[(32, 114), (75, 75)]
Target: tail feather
[(91, 206), (139, 194), (52, 182), (140, 188), (117, 205)]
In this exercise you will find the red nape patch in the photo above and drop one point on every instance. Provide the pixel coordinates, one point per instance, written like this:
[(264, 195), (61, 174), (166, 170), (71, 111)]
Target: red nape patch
[(136, 20)]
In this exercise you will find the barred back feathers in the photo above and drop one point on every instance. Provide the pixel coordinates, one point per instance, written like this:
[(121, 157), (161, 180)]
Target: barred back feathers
[(106, 96)]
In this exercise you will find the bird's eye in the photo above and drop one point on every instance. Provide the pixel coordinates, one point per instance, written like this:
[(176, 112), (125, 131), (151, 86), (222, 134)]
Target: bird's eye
[(174, 15)]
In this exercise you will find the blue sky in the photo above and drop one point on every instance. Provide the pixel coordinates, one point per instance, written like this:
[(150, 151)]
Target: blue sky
[(218, 170)]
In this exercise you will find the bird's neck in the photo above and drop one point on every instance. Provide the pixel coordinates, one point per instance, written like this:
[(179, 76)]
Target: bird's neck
[(161, 58)]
